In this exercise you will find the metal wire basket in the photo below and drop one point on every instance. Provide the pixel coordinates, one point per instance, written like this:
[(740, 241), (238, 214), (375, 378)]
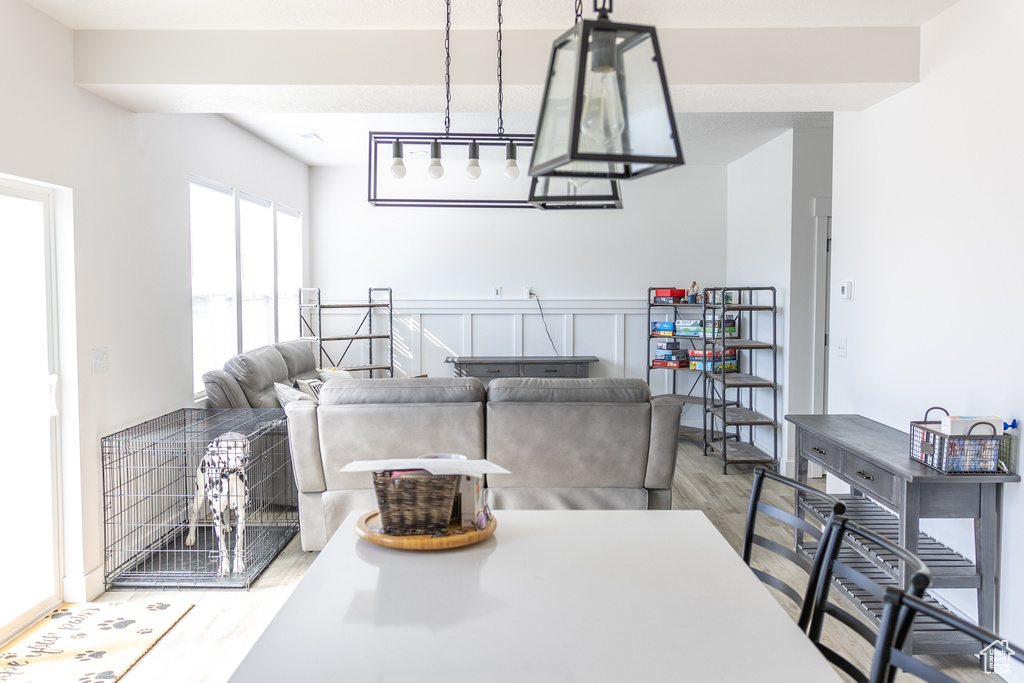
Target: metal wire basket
[(963, 454), (414, 503)]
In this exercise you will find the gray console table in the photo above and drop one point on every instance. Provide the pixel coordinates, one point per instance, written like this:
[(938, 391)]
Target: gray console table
[(489, 367), (875, 460)]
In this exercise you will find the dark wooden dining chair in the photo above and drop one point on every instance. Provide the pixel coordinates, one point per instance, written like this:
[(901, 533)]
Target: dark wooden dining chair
[(808, 561), (862, 583), (900, 611)]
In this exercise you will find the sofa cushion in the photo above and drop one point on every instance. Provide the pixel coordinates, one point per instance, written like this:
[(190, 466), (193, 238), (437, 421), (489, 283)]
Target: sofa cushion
[(299, 358), (256, 372), (413, 390), (568, 390)]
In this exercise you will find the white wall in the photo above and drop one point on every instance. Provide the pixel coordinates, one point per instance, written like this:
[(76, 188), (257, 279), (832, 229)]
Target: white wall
[(671, 231), (126, 226), (590, 268), (927, 224), (771, 242)]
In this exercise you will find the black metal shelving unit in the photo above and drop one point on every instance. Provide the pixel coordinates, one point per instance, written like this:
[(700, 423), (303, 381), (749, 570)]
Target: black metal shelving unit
[(735, 402), (378, 300)]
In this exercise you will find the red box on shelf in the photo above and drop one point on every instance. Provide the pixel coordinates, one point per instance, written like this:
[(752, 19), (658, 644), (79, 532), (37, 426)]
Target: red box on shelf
[(670, 292), (666, 364)]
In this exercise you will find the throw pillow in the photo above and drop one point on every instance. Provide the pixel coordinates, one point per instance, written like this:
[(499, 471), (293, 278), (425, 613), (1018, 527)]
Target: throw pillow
[(333, 373), (285, 394), (310, 387)]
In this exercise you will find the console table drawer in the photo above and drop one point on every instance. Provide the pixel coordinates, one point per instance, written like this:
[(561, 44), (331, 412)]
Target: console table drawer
[(820, 450), (490, 371), (863, 475), (550, 370)]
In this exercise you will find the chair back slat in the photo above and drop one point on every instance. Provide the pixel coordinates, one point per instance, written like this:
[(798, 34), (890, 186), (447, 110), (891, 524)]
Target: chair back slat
[(901, 608), (798, 527)]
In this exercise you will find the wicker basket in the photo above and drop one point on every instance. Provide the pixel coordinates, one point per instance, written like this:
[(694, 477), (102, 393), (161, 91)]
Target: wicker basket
[(414, 503), (969, 454)]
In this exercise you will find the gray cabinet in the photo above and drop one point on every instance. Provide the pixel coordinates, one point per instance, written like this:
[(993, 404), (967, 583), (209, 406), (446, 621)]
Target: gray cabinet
[(891, 494)]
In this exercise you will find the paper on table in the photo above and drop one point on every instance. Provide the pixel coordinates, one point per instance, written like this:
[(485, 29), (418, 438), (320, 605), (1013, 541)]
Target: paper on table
[(467, 467)]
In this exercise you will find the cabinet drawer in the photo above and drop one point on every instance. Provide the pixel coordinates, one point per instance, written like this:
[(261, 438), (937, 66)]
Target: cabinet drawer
[(491, 371), (550, 370), (822, 451), (867, 477)]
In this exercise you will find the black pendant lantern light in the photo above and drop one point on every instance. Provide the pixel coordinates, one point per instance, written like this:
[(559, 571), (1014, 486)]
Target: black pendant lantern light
[(606, 111), (558, 192)]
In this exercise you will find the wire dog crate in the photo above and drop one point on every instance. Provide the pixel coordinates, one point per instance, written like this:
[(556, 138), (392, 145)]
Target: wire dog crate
[(149, 489)]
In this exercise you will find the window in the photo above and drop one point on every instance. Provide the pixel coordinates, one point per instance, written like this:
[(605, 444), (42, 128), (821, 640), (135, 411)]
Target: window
[(246, 273)]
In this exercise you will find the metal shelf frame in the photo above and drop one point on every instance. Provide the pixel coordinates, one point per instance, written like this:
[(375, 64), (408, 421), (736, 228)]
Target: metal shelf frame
[(738, 420), (378, 300)]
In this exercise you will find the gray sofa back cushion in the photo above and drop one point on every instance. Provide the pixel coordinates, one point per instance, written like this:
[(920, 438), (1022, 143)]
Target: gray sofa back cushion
[(413, 390), (567, 390), (299, 358), (256, 372)]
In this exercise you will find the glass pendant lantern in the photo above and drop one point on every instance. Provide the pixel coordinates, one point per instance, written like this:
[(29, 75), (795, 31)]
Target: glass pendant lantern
[(606, 111)]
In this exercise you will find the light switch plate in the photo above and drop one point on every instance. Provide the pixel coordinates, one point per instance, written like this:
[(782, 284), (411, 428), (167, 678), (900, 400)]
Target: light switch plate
[(100, 360)]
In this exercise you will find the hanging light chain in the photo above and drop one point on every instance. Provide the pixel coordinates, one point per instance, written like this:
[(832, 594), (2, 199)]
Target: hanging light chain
[(448, 67), (579, 10), (501, 95)]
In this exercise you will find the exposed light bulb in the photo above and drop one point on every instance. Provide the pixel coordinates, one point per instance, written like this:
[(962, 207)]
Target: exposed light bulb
[(511, 167), (473, 167), (397, 164), (435, 169), (603, 120)]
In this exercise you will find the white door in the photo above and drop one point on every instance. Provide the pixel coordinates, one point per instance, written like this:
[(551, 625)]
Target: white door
[(30, 572)]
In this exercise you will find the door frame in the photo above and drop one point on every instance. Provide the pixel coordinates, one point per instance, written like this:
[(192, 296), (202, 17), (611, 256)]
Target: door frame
[(47, 196)]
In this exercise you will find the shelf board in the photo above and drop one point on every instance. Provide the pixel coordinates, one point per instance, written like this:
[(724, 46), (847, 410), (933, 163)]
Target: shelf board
[(742, 344), (373, 305), (688, 305), (693, 400), (744, 417), (949, 569), (743, 307), (741, 452), (741, 380), (356, 337)]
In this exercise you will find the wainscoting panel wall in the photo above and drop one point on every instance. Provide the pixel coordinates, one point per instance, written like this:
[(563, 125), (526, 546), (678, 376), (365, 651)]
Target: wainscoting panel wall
[(427, 332)]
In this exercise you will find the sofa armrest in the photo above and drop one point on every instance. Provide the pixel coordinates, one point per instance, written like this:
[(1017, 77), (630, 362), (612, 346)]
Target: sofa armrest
[(304, 442), (222, 391), (661, 458)]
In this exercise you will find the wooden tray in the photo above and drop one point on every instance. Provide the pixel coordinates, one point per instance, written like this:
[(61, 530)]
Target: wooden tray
[(455, 538)]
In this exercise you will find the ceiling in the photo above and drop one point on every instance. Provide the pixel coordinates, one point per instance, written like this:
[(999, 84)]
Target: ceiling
[(476, 14), (716, 131)]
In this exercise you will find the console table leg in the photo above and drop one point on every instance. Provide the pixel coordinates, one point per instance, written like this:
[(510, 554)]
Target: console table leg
[(986, 556)]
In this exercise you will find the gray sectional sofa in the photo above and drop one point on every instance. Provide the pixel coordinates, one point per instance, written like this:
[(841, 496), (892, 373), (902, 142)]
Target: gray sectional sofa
[(568, 443), (247, 380)]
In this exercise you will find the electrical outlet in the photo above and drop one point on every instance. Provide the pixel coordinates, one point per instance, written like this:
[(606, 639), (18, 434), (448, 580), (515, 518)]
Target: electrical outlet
[(100, 360), (497, 292), (528, 292), (840, 347)]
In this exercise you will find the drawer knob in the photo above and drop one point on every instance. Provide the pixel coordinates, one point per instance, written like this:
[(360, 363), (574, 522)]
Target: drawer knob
[(862, 475), (818, 450)]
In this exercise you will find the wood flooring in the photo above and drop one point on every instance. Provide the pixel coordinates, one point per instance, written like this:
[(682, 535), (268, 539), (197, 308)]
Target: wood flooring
[(209, 642)]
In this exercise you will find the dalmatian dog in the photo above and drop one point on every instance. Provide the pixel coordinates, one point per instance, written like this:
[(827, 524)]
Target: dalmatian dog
[(221, 480)]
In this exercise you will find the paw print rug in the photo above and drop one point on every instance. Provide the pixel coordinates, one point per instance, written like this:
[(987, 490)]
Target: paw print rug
[(88, 642)]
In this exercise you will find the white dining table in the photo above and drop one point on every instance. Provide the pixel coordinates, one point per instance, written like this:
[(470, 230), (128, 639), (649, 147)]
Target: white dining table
[(566, 595)]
